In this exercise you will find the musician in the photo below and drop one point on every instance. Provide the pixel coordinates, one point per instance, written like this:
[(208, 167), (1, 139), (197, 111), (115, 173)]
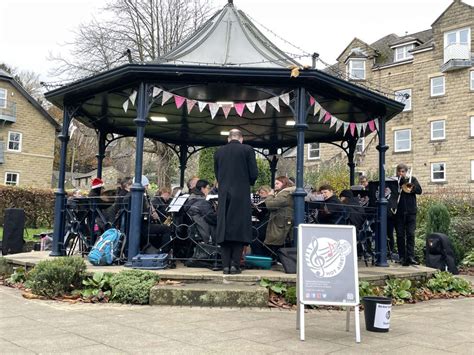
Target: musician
[(161, 201), (331, 211), (261, 213), (405, 216)]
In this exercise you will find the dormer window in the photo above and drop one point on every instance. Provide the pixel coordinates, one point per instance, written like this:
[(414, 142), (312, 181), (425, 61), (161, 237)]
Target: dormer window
[(356, 69), (402, 53)]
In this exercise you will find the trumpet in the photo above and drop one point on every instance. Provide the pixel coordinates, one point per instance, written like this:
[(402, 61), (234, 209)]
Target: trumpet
[(408, 186)]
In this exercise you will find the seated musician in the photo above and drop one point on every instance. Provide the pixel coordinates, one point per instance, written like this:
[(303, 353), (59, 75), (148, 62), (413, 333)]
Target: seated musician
[(201, 211), (261, 214), (161, 201), (356, 215), (280, 206), (331, 209)]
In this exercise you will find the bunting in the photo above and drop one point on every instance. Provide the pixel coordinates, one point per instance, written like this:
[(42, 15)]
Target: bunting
[(239, 108)]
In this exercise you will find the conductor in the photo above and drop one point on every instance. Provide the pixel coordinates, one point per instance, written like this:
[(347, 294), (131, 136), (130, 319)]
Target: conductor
[(236, 169)]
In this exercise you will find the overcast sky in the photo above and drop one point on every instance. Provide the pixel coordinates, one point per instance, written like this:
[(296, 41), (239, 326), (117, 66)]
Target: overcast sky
[(31, 29)]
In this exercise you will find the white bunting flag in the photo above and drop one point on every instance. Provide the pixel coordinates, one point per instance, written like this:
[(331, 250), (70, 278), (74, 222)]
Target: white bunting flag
[(338, 124), (202, 105), (213, 108), (322, 113), (156, 91), (376, 121), (286, 99), (251, 106), (275, 102), (346, 126), (132, 97), (359, 129), (333, 121), (317, 107), (125, 106), (190, 104), (364, 126), (166, 96), (226, 110), (71, 129), (263, 105)]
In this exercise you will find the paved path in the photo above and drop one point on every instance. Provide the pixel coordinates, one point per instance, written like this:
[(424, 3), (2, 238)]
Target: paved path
[(32, 326)]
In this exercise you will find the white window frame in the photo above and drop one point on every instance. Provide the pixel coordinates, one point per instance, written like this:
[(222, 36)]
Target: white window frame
[(395, 149), (349, 68), (19, 143), (404, 51), (444, 172), (472, 170), (400, 98), (360, 146), (458, 39), (471, 85), (431, 86), (432, 130), (3, 98), (12, 173), (472, 126), (310, 150)]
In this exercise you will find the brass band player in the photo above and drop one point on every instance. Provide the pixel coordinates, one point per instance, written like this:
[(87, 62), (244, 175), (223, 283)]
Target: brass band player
[(405, 215)]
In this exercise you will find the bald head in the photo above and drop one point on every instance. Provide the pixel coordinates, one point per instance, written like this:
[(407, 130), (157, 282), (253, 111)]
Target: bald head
[(235, 134)]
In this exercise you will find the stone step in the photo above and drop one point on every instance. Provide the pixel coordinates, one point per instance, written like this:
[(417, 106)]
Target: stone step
[(210, 295)]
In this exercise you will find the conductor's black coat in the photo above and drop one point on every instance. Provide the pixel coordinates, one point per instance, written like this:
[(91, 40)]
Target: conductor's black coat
[(236, 170)]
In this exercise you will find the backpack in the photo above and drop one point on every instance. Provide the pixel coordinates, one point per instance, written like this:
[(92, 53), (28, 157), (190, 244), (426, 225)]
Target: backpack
[(108, 248)]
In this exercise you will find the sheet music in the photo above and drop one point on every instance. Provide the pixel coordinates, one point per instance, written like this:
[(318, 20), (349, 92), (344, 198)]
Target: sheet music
[(177, 203), (211, 197)]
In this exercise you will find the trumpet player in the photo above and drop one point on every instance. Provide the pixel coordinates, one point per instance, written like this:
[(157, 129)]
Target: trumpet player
[(405, 216)]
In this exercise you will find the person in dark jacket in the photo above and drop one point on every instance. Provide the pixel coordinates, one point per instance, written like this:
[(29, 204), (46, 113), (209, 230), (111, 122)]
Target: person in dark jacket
[(405, 218), (355, 212), (201, 211), (331, 211), (236, 170)]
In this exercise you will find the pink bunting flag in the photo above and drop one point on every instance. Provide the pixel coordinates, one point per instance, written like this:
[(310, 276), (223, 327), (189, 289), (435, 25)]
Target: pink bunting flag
[(226, 110), (165, 97), (202, 105), (352, 127), (274, 101), (213, 108), (251, 106), (263, 105), (371, 125), (190, 104), (179, 100), (312, 101), (327, 117), (286, 99), (239, 108)]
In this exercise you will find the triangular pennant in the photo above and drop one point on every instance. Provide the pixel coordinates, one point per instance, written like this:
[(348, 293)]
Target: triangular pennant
[(166, 96), (322, 113), (286, 99), (312, 101), (202, 105), (156, 91), (125, 105), (251, 106), (364, 126), (338, 124), (376, 121), (352, 127), (317, 107), (179, 100), (359, 129), (333, 121), (239, 108), (213, 108), (190, 104), (263, 105), (226, 110), (371, 125), (275, 102), (346, 126), (132, 97), (327, 117)]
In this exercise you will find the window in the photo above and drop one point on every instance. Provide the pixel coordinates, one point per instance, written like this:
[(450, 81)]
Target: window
[(14, 142), (403, 140), (437, 86), (12, 178), (313, 151), (404, 96), (360, 145), (3, 98), (437, 130), (438, 172), (472, 126), (356, 69), (472, 170), (401, 53), (472, 80)]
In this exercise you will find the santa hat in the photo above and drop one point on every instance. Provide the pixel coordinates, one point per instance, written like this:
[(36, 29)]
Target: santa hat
[(96, 183)]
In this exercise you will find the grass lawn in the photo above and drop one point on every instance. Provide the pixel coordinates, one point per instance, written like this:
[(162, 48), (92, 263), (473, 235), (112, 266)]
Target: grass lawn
[(29, 232)]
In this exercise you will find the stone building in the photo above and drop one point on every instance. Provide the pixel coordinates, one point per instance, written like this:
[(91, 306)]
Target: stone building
[(432, 73), (27, 134)]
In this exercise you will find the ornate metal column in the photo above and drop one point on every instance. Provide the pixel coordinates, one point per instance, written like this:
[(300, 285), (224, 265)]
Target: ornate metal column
[(101, 153), (300, 126), (60, 201), (137, 190), (273, 166), (381, 237), (352, 144), (183, 159)]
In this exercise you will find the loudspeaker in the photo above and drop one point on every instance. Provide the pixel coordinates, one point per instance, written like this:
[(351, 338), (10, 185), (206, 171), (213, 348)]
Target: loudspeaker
[(13, 227)]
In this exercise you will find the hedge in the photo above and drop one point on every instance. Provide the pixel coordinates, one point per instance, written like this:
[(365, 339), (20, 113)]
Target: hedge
[(37, 203)]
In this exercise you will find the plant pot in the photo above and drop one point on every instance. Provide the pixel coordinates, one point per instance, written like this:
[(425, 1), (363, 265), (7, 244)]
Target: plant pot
[(377, 311)]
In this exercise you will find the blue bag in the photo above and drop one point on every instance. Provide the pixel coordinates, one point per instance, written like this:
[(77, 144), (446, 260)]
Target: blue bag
[(108, 248)]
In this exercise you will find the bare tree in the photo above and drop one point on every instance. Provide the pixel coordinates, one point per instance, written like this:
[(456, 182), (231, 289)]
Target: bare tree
[(29, 80)]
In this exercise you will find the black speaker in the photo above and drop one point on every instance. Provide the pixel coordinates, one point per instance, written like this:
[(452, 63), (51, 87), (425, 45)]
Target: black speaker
[(13, 227)]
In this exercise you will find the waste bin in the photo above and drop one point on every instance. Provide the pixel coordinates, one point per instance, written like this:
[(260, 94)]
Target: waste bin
[(377, 311)]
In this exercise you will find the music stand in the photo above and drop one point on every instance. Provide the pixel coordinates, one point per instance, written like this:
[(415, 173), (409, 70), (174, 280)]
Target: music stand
[(176, 203)]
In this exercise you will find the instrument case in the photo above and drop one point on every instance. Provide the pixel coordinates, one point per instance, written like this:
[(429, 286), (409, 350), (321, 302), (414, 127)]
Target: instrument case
[(150, 261)]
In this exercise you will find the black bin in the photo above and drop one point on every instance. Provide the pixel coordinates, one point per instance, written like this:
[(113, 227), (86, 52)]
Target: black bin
[(377, 311)]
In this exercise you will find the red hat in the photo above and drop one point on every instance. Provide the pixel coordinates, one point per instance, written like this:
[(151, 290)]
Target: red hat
[(96, 183)]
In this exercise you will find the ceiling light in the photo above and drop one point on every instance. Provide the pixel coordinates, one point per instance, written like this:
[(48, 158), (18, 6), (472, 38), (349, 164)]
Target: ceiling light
[(158, 119), (224, 133), (290, 123)]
